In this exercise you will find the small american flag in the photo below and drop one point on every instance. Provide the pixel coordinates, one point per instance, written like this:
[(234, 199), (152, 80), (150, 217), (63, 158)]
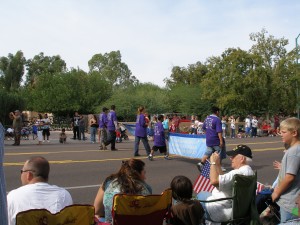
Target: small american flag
[(259, 187), (202, 183)]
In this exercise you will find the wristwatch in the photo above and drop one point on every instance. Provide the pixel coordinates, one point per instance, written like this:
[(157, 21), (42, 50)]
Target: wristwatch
[(212, 163)]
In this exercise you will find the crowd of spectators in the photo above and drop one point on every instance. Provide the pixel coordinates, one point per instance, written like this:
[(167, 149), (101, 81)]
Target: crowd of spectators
[(130, 178)]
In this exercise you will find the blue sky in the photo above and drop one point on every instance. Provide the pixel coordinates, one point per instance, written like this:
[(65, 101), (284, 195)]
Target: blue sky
[(152, 35)]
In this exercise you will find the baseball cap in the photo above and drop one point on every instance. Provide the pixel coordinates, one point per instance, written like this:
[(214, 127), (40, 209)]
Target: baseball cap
[(17, 110), (242, 150)]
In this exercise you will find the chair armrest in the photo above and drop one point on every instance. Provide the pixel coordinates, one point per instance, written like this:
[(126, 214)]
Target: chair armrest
[(216, 200)]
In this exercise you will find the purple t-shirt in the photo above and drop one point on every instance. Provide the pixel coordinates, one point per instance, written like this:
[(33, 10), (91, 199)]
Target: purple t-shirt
[(212, 126), (159, 134), (111, 118), (102, 120), (140, 126)]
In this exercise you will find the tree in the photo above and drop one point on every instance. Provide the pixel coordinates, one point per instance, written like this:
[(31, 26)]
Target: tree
[(128, 100), (224, 82), (275, 61), (64, 93), (113, 70), (10, 101), (192, 75), (188, 99), (11, 71), (41, 64)]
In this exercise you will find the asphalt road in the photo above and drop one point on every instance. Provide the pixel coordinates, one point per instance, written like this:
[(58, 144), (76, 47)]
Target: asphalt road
[(80, 167)]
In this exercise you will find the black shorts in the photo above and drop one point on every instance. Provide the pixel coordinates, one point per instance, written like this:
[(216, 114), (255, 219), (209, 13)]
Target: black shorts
[(162, 149)]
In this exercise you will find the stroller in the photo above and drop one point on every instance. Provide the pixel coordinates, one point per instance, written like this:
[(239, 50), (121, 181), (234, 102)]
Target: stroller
[(121, 134), (25, 133)]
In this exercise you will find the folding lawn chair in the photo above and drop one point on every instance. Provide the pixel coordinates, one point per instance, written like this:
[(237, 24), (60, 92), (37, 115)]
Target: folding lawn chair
[(244, 210), (141, 210), (73, 214)]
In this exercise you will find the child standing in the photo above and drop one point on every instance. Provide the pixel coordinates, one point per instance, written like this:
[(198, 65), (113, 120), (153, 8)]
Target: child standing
[(184, 210), (288, 186), (63, 136), (159, 139)]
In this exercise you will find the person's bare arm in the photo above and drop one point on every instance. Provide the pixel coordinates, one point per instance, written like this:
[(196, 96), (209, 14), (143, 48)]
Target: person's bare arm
[(215, 169), (98, 203), (221, 139), (283, 186)]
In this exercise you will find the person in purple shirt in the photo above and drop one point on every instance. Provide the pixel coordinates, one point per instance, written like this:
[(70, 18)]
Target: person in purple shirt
[(141, 131), (159, 139), (102, 129), (111, 127), (212, 127)]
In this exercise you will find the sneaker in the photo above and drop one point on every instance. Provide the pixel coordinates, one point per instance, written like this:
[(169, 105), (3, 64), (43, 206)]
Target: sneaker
[(223, 169), (100, 148), (166, 157), (114, 149), (150, 157), (43, 140), (200, 166), (137, 155), (48, 141)]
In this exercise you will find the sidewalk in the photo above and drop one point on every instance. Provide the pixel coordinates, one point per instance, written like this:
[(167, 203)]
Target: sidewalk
[(54, 138)]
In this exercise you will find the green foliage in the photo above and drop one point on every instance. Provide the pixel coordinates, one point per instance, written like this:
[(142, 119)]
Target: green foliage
[(11, 71), (128, 100), (262, 80), (64, 93), (188, 100), (10, 101), (192, 75), (113, 70), (41, 64)]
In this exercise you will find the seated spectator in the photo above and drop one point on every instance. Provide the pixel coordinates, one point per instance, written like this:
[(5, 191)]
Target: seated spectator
[(130, 179), (63, 136), (222, 210), (184, 210), (36, 193), (9, 134)]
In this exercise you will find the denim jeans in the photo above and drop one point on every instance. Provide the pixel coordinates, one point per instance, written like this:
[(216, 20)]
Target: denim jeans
[(145, 143), (81, 131), (93, 134), (285, 215), (203, 195)]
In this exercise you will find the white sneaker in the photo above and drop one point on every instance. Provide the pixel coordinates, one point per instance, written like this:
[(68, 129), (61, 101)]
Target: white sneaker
[(48, 141), (150, 157)]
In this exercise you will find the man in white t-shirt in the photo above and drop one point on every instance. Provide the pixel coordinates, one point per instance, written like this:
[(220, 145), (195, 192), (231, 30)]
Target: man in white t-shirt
[(222, 210), (36, 193)]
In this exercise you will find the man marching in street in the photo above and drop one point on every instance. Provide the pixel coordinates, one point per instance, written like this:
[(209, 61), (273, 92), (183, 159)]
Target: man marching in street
[(102, 128), (112, 125)]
